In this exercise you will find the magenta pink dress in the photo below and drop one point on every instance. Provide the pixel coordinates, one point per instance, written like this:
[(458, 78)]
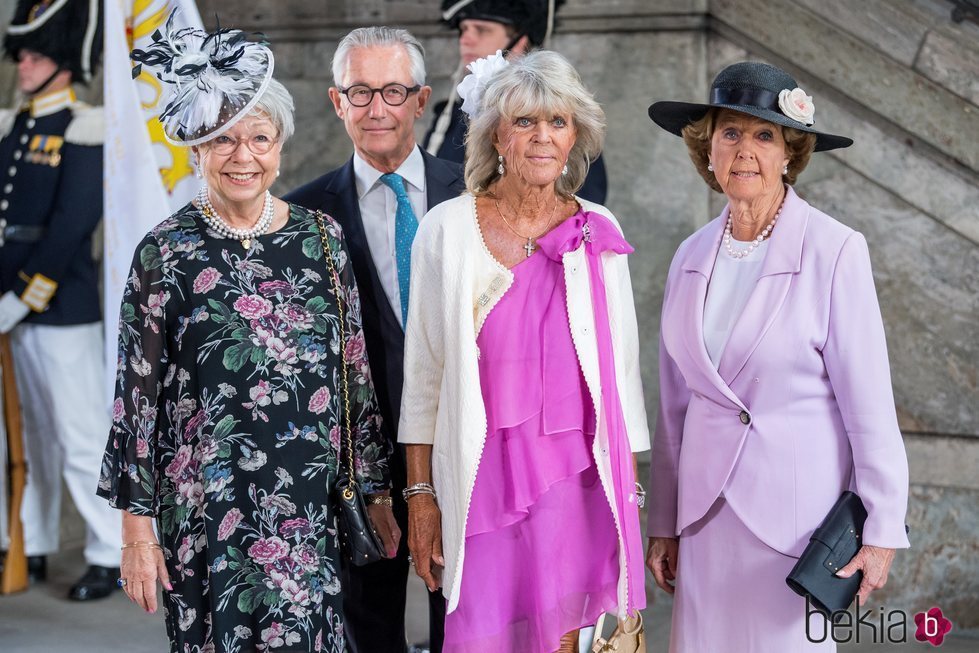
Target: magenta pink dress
[(541, 543)]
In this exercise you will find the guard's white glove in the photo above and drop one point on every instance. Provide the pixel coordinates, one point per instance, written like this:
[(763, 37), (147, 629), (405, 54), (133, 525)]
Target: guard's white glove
[(12, 311)]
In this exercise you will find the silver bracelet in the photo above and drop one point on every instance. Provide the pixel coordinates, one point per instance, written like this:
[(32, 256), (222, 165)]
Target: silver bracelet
[(640, 495), (417, 488)]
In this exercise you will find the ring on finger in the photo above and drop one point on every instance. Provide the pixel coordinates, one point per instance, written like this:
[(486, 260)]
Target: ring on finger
[(121, 582)]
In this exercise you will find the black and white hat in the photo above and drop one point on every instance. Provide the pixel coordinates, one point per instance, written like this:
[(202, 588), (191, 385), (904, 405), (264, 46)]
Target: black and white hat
[(756, 89), (216, 79), (69, 32)]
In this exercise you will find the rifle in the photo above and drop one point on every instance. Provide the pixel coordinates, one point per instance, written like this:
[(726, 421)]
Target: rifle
[(14, 575)]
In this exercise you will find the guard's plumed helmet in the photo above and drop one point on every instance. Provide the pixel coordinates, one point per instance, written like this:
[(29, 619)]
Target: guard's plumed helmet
[(67, 31)]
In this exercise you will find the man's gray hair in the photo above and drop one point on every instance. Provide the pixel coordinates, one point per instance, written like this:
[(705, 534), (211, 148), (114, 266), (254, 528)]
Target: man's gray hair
[(371, 37), (277, 104)]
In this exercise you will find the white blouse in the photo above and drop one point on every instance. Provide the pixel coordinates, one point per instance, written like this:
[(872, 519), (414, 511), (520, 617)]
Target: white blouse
[(730, 285)]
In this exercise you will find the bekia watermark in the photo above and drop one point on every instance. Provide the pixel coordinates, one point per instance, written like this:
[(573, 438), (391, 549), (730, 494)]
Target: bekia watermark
[(877, 626)]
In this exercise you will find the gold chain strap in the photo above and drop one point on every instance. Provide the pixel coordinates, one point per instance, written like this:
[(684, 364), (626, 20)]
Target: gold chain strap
[(328, 255)]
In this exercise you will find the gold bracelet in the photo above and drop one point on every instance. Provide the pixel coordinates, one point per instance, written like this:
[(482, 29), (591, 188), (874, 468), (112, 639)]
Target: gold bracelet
[(141, 545), (381, 500)]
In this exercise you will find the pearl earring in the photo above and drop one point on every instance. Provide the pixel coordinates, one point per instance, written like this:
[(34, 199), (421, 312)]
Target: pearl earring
[(565, 170), (278, 172), (785, 170), (710, 167), (500, 168)]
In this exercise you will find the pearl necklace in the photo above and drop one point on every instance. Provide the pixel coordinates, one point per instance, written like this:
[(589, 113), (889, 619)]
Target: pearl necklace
[(753, 245), (220, 226)]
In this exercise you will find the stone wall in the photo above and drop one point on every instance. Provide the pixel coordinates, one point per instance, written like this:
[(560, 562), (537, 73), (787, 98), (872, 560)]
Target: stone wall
[(897, 75)]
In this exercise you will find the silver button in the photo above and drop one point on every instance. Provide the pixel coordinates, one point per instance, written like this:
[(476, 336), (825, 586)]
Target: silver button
[(8, 188), (24, 138), (4, 204), (17, 155), (31, 123), (12, 170)]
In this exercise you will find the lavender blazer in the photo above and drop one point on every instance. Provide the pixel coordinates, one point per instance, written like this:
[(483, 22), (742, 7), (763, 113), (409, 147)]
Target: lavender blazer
[(800, 407)]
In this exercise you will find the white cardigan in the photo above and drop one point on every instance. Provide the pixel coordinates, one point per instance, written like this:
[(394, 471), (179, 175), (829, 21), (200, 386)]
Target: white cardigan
[(455, 283)]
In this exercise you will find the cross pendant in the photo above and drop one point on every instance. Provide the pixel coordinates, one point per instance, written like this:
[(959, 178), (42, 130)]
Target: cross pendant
[(529, 247)]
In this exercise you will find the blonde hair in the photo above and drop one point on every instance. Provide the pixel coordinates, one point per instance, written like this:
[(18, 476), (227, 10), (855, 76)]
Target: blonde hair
[(541, 83)]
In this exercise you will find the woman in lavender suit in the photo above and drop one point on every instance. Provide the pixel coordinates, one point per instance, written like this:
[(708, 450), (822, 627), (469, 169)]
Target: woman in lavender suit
[(775, 392)]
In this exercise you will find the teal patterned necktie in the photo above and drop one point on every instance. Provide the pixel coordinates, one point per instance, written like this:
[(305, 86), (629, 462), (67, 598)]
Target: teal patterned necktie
[(405, 226)]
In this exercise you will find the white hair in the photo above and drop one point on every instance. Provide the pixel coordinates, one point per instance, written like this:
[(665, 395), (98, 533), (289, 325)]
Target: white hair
[(276, 103), (372, 37), (542, 83)]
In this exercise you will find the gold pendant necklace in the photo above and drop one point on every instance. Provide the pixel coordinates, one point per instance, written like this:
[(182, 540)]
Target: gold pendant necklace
[(531, 245)]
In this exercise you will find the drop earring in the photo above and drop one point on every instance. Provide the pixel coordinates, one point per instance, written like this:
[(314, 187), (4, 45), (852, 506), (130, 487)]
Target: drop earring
[(785, 170), (565, 170), (710, 167), (500, 168)]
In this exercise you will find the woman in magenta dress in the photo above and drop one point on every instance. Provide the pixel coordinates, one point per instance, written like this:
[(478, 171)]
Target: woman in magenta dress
[(522, 404)]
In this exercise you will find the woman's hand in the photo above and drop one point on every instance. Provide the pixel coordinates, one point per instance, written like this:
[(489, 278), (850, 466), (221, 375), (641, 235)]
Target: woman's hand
[(425, 539), (661, 558), (875, 562), (382, 519), (142, 564)]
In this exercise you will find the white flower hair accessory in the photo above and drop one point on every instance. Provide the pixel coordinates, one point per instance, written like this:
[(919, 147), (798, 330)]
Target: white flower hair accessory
[(797, 105), (471, 88)]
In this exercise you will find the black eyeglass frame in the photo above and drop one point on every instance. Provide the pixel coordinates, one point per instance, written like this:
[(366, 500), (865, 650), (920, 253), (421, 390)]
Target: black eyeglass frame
[(408, 91)]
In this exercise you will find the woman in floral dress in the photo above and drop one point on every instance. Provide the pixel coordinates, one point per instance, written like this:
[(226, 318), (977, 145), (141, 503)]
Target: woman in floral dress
[(227, 418)]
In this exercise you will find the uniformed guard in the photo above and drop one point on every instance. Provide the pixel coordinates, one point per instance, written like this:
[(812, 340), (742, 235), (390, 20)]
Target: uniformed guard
[(50, 205), (485, 26)]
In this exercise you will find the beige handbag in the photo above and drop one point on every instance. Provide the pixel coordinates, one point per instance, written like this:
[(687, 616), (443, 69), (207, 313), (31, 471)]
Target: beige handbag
[(628, 637)]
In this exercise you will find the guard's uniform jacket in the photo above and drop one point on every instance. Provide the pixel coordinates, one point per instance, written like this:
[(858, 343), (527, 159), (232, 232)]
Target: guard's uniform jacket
[(50, 203)]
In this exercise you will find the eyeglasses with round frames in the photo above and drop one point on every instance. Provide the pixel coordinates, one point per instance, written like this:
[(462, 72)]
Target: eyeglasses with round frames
[(226, 144), (360, 95)]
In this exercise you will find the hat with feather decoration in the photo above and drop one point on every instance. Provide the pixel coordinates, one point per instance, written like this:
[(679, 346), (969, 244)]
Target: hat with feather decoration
[(215, 78), (69, 32)]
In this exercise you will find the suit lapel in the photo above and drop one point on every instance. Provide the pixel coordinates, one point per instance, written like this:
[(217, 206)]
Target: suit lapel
[(342, 204), (783, 260), (697, 267)]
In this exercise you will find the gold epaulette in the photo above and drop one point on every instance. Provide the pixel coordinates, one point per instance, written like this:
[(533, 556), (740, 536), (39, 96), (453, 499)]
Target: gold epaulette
[(39, 291)]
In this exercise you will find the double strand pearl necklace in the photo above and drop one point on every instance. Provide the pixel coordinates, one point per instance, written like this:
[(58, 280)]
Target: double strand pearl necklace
[(220, 226), (531, 243), (753, 245)]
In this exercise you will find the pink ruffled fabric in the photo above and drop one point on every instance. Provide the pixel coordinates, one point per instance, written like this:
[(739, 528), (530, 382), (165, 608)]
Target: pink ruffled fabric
[(541, 544)]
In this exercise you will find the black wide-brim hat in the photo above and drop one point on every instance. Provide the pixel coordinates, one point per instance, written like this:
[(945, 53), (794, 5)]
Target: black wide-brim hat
[(748, 87)]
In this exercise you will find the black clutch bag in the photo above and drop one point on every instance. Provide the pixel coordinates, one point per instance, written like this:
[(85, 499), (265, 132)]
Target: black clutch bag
[(358, 539), (831, 548)]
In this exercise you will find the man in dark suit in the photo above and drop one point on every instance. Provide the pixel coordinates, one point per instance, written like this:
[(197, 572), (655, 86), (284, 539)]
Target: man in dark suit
[(378, 196)]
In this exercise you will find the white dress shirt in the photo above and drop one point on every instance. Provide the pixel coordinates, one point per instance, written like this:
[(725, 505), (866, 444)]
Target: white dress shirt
[(378, 207), (730, 285)]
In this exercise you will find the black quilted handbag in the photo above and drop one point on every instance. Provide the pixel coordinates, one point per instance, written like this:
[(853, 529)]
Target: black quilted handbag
[(358, 539)]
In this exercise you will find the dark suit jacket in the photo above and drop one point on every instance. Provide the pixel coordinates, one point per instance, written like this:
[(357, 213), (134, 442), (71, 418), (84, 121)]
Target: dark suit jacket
[(335, 193)]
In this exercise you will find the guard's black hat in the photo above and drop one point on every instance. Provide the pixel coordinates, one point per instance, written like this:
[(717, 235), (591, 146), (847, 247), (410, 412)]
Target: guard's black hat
[(527, 17), (756, 89), (67, 31)]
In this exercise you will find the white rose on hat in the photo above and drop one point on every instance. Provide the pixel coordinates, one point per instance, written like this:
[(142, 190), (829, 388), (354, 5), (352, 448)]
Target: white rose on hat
[(797, 105)]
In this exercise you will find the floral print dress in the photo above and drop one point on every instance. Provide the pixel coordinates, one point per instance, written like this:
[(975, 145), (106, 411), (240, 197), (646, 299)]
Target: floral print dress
[(226, 429)]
